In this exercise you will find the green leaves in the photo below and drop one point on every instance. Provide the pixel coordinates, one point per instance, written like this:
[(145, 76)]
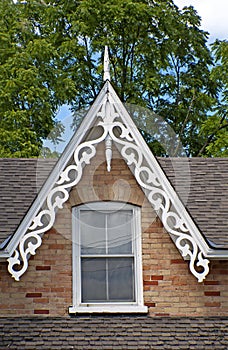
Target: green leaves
[(215, 128), (51, 53), (33, 80)]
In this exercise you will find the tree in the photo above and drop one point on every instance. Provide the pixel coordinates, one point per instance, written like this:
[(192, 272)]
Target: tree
[(33, 81), (215, 128), (53, 54), (159, 59)]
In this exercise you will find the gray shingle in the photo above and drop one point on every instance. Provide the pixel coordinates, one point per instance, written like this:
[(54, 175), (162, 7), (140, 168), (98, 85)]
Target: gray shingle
[(20, 180), (207, 198), (201, 183), (113, 332)]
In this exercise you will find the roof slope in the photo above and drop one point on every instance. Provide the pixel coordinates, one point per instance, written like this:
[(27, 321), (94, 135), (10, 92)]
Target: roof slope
[(20, 180), (206, 200), (133, 332)]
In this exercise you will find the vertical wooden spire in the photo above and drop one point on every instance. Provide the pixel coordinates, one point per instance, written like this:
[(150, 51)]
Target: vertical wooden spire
[(106, 65)]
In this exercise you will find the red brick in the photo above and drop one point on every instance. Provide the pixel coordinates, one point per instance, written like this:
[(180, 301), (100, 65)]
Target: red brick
[(150, 304), (43, 268), (151, 283), (41, 312), (211, 283), (177, 261), (223, 272), (33, 295), (212, 294), (157, 278)]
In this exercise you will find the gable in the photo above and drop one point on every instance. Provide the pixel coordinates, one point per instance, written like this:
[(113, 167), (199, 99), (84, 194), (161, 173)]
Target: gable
[(97, 184), (108, 122)]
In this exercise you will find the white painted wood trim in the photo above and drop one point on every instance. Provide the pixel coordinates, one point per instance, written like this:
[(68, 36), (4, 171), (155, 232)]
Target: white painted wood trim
[(153, 163), (112, 308), (86, 124), (132, 307)]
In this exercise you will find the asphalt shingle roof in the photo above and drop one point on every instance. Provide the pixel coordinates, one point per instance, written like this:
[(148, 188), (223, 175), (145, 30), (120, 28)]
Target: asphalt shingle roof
[(113, 332), (20, 180), (201, 183)]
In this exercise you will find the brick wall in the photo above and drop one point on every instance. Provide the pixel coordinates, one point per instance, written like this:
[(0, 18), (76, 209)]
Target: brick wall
[(169, 287)]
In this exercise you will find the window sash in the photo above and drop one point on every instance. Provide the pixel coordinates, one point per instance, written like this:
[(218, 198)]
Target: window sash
[(117, 231), (125, 306), (99, 236), (107, 280)]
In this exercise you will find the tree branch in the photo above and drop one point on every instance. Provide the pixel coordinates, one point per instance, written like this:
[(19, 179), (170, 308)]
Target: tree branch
[(184, 123), (210, 139)]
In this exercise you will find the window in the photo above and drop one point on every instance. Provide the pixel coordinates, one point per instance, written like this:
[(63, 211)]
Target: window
[(107, 270)]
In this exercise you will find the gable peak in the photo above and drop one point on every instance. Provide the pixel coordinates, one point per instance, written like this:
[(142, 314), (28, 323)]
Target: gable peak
[(106, 75)]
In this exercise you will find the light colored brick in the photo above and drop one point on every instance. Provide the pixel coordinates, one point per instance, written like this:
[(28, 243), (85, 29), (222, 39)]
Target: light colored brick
[(177, 294)]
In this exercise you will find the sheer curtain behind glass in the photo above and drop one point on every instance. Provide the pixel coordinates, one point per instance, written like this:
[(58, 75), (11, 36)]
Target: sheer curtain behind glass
[(107, 256)]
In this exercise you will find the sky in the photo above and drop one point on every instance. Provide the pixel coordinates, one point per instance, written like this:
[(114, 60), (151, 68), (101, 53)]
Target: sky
[(214, 15)]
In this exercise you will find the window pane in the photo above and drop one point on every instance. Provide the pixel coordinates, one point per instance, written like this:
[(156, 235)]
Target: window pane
[(92, 232), (121, 279), (120, 232), (93, 279)]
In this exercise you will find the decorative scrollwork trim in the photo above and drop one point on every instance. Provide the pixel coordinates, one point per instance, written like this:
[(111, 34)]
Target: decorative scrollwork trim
[(57, 196), (110, 117)]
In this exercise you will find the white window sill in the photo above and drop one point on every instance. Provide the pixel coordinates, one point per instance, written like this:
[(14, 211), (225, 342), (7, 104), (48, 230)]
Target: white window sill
[(108, 309)]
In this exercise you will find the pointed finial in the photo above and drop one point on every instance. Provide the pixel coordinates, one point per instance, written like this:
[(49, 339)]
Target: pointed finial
[(106, 65)]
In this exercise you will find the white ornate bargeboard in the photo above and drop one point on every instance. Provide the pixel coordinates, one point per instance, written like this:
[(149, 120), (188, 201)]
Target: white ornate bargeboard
[(113, 130)]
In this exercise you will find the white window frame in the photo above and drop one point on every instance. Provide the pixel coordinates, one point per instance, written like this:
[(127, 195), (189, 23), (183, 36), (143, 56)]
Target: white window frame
[(114, 307)]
